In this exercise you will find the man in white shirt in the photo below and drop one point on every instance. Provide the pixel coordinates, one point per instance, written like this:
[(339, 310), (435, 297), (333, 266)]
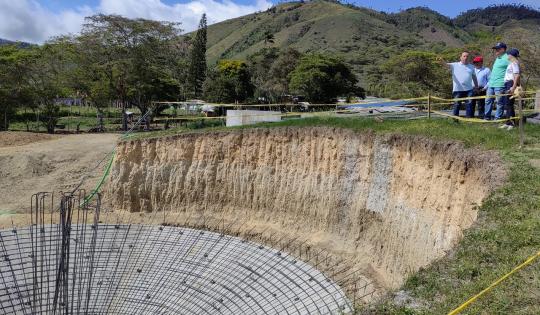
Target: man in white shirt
[(482, 75), (464, 81), (512, 78)]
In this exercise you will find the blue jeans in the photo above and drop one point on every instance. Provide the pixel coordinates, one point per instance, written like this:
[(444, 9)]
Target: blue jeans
[(481, 104), (501, 100), (468, 103)]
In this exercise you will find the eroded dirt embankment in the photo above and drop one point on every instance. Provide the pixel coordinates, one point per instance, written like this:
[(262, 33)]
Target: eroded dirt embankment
[(390, 203)]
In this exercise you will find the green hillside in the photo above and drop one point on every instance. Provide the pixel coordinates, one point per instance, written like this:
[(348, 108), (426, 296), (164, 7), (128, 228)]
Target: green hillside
[(364, 38), (312, 26)]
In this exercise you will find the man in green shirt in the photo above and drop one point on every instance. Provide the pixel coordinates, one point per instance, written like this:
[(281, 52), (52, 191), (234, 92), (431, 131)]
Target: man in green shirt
[(496, 82)]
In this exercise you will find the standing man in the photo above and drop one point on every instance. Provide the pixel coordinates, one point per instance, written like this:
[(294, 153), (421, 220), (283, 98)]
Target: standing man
[(496, 82), (482, 75), (464, 82), (512, 80)]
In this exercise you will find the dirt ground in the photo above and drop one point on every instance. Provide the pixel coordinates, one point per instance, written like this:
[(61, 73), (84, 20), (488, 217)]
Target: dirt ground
[(30, 163), (10, 138)]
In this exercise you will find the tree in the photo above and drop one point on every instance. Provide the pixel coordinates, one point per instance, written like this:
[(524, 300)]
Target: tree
[(270, 69), (15, 72), (411, 74), (530, 57), (197, 66), (49, 80), (34, 77), (135, 60), (268, 38), (229, 82), (281, 70), (321, 78)]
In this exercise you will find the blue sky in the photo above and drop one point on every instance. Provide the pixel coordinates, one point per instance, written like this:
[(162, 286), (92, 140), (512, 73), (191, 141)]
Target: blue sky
[(38, 20), (449, 8)]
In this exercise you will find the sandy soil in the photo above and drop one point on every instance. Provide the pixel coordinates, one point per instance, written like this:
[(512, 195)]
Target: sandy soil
[(10, 138), (31, 163)]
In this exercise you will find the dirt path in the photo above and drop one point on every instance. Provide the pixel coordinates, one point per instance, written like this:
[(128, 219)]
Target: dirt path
[(31, 163)]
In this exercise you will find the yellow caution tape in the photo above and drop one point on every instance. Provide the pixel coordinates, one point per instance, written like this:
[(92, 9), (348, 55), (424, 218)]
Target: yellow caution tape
[(439, 102), (469, 98), (289, 114), (423, 98), (494, 284)]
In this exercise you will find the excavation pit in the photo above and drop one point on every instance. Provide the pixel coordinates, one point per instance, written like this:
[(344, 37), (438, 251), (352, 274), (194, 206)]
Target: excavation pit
[(252, 221), (381, 204)]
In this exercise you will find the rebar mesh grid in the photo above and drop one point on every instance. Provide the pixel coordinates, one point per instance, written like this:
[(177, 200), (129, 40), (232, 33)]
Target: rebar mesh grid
[(78, 265)]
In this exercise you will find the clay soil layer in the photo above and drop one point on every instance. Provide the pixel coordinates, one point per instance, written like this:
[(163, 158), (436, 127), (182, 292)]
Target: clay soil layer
[(390, 203)]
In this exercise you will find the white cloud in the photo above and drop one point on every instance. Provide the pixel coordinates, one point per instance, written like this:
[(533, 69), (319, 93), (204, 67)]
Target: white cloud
[(188, 13), (28, 20)]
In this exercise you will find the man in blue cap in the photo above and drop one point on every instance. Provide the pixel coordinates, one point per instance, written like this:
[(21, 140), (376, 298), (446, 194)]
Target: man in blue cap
[(496, 82)]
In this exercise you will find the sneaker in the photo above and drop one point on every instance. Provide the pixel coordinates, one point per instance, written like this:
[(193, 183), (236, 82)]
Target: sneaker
[(503, 126), (509, 127)]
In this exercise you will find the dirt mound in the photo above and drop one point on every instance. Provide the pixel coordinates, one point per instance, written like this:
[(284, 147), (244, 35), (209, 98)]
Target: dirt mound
[(9, 138), (391, 204), (55, 163)]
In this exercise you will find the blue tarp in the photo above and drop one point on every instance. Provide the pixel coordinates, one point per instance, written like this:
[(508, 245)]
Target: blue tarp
[(375, 104)]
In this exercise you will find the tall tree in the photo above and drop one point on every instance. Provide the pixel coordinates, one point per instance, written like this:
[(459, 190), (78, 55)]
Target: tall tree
[(15, 74), (136, 61), (270, 69), (321, 78), (197, 66), (229, 82), (411, 74)]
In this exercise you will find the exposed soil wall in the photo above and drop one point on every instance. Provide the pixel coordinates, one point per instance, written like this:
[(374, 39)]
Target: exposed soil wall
[(390, 203)]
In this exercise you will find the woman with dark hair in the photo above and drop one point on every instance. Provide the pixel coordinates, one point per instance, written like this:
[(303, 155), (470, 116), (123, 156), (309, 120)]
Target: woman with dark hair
[(511, 82)]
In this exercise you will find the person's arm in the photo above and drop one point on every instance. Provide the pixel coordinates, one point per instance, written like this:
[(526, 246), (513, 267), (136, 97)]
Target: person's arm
[(517, 77), (448, 65), (488, 76), (475, 81)]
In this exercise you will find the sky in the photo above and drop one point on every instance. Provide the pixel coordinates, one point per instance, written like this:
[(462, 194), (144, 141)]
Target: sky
[(36, 21)]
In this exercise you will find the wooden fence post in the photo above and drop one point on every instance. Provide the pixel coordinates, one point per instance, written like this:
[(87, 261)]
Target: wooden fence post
[(521, 127), (537, 102), (429, 106)]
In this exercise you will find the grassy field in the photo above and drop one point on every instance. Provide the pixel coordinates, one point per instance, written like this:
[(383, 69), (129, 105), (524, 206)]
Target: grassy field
[(506, 233)]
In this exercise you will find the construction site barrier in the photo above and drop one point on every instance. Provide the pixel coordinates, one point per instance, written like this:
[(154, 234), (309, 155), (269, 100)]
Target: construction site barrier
[(422, 98), (429, 108)]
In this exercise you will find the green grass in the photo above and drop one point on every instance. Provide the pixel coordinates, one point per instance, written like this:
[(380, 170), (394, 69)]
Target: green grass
[(471, 134), (506, 233)]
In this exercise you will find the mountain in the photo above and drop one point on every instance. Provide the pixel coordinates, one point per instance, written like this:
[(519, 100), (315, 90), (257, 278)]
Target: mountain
[(497, 15), (312, 26), (363, 37), (9, 42), (5, 42), (430, 25)]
